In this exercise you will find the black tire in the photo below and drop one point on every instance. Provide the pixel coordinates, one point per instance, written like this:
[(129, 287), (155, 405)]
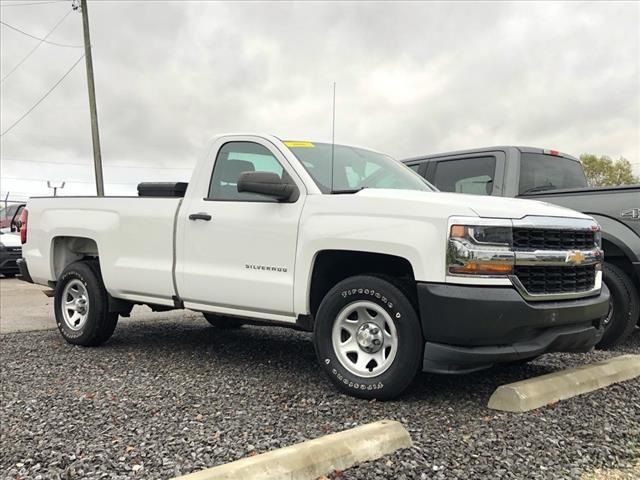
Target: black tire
[(222, 323), (389, 299), (9, 274), (100, 323), (623, 307)]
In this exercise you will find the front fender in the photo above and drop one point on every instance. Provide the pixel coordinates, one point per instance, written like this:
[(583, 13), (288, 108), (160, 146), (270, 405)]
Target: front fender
[(421, 243), (620, 235)]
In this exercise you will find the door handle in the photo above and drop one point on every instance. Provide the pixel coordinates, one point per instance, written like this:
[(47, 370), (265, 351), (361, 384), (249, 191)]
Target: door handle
[(200, 216)]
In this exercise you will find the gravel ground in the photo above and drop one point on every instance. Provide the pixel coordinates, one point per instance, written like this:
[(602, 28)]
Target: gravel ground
[(165, 398)]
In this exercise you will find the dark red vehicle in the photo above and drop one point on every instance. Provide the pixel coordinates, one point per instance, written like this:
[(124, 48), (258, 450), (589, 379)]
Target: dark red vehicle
[(8, 213)]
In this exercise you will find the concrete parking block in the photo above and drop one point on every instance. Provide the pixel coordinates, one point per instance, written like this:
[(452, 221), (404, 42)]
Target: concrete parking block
[(314, 458), (539, 391)]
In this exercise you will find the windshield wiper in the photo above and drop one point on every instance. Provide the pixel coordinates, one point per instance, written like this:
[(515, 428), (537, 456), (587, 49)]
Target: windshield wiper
[(539, 188)]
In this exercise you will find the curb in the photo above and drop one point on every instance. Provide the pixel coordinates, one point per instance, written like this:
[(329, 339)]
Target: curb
[(539, 391), (317, 457)]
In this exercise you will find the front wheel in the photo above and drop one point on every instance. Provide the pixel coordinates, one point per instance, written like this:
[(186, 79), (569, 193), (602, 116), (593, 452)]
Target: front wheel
[(368, 338), (81, 305), (623, 307)]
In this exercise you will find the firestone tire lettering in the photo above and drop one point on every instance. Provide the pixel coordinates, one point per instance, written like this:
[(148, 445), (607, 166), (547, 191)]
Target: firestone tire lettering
[(392, 381)]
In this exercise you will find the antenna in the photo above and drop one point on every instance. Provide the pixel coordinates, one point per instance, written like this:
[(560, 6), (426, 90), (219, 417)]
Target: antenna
[(333, 133)]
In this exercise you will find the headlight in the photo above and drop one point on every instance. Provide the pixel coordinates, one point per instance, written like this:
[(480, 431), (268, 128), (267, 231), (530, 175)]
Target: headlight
[(480, 250)]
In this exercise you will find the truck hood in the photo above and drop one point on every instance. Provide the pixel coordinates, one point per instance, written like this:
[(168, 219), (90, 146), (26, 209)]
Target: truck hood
[(483, 206), (10, 239)]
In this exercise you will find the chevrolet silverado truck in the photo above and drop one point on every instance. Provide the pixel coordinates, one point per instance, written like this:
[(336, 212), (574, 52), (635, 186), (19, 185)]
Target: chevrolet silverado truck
[(558, 178), (391, 276)]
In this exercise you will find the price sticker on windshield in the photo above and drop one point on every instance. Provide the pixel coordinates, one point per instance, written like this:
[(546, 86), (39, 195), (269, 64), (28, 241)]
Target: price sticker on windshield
[(292, 144)]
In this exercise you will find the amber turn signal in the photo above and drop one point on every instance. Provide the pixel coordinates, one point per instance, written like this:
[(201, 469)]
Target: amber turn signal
[(458, 231), (482, 268)]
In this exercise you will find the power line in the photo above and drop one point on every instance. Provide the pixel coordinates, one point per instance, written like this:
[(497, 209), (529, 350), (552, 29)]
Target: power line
[(38, 38), (31, 179), (21, 4), (42, 98), (77, 164), (36, 47), (17, 194)]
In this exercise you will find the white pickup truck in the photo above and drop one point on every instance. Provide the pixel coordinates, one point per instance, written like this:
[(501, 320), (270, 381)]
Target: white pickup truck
[(391, 276)]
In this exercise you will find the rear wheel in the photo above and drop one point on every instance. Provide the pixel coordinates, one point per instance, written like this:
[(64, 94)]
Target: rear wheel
[(368, 338), (223, 323), (81, 305), (624, 304)]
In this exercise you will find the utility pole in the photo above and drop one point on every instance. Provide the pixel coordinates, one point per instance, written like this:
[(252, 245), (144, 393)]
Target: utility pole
[(55, 186), (95, 136)]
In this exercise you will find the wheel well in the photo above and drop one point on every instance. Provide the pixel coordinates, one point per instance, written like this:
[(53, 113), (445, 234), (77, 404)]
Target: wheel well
[(66, 250), (333, 266), (614, 255)]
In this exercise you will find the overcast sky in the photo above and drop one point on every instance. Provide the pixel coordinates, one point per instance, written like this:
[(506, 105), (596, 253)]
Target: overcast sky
[(412, 78)]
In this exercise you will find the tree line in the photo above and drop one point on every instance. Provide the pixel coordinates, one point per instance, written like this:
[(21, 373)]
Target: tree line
[(602, 171)]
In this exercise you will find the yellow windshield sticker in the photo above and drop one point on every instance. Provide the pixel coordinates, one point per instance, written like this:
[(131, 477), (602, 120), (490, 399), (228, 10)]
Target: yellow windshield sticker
[(293, 144)]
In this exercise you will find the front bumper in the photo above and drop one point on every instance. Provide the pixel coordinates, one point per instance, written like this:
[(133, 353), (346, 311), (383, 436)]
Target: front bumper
[(471, 327)]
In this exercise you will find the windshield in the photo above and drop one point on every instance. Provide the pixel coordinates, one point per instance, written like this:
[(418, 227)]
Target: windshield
[(540, 172), (354, 168)]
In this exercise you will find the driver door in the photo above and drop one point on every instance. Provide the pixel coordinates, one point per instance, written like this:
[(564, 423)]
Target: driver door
[(238, 254)]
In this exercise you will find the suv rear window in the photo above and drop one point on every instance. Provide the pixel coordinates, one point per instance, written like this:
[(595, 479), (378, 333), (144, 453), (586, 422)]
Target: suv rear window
[(539, 172)]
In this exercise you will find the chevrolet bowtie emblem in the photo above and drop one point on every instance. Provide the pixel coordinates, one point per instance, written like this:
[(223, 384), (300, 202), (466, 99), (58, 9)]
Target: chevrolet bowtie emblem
[(575, 257)]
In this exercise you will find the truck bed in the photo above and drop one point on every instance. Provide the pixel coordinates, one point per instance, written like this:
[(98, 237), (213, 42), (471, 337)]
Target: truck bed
[(612, 202), (134, 237)]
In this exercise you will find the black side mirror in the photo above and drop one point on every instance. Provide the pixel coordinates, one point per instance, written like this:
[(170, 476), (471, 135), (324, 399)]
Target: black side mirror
[(269, 184), (15, 223)]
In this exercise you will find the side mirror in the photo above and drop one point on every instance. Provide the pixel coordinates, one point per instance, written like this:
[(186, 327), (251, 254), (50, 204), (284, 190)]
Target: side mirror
[(15, 223), (269, 184)]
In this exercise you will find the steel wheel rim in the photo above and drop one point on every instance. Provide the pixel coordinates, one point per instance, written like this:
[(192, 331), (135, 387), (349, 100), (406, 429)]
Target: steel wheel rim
[(607, 319), (354, 339), (75, 304)]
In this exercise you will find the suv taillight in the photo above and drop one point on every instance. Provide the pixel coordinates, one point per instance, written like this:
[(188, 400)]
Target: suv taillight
[(23, 225)]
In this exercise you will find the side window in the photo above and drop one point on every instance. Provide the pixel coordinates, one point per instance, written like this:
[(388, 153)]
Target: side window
[(415, 167), (235, 158), (466, 175)]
